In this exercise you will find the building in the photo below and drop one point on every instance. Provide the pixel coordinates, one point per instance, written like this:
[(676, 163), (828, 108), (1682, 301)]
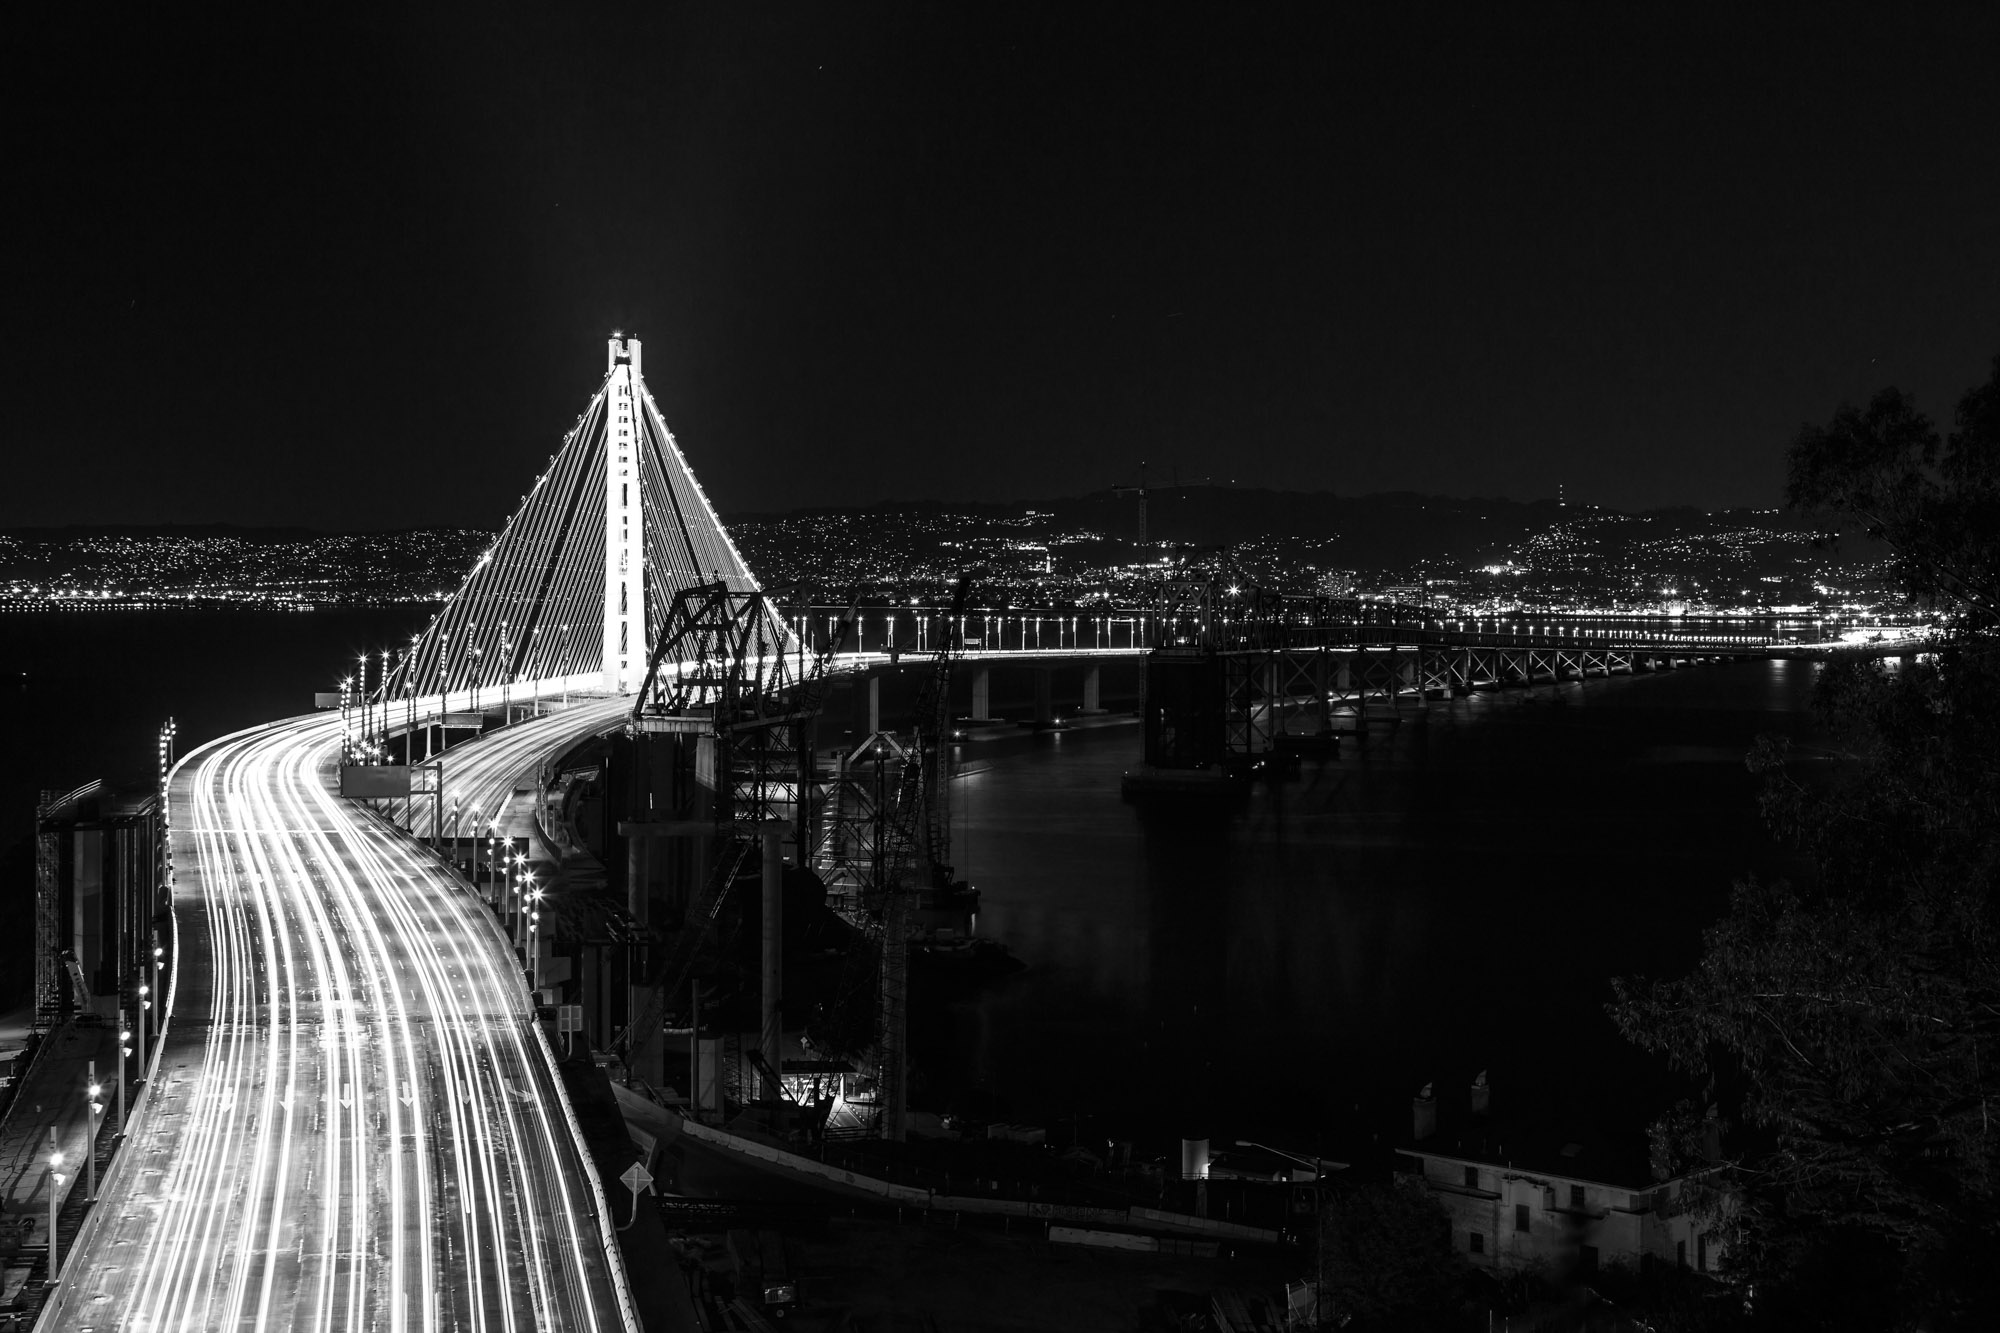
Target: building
[(1526, 1193), (100, 888)]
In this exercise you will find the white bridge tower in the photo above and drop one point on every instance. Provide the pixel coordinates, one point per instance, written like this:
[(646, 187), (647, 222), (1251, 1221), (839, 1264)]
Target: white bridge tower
[(584, 573), (624, 523)]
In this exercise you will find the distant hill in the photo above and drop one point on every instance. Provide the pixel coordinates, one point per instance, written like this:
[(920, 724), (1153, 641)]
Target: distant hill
[(181, 531), (1386, 530)]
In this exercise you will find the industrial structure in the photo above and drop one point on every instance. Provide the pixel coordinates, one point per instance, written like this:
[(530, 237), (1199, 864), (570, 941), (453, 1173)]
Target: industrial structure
[(1237, 675), (101, 892)]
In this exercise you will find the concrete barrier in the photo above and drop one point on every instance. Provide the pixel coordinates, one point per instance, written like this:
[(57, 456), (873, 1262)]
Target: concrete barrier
[(1108, 1240), (1151, 1219)]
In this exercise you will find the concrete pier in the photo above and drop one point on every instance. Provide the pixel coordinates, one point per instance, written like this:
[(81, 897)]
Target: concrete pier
[(1093, 676), (771, 1028), (982, 694)]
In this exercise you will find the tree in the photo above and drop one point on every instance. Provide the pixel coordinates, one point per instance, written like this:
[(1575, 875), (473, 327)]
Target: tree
[(1847, 1026), (1388, 1257)]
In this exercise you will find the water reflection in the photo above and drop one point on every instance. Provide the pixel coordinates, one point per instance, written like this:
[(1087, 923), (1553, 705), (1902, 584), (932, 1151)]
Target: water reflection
[(1451, 896)]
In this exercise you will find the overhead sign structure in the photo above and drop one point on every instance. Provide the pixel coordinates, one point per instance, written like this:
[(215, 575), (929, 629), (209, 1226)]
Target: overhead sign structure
[(368, 782)]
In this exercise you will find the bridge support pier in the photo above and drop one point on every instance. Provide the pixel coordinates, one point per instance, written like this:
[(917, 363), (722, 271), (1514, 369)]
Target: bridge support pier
[(874, 705), (772, 1032), (1092, 686), (647, 1058), (982, 694), (1045, 697)]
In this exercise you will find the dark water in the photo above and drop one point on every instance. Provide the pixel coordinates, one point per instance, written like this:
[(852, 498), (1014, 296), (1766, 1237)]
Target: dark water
[(1453, 896), (1449, 898)]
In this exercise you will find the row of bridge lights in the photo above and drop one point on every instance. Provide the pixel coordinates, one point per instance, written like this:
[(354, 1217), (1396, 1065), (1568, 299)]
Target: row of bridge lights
[(515, 894), (357, 686), (1106, 629), (94, 1109)]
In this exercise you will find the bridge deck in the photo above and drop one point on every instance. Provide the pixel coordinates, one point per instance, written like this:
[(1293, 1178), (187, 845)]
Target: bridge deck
[(355, 1122)]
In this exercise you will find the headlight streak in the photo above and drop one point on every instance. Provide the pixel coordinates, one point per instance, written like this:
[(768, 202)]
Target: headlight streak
[(343, 967)]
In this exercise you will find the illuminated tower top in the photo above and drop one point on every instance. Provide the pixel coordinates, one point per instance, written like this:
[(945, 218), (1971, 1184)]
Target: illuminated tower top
[(588, 566)]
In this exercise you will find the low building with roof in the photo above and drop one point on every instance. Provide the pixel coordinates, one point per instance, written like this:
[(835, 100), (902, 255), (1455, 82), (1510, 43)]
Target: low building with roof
[(1553, 1191)]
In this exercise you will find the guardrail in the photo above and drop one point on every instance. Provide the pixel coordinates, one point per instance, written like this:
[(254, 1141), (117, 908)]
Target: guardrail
[(1155, 1219)]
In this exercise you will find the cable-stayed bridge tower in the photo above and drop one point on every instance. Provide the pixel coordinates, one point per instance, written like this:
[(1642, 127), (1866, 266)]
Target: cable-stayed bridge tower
[(584, 573)]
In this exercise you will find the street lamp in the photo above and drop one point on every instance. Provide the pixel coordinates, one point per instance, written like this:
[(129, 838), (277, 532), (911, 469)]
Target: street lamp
[(56, 1178), (517, 880), (95, 1109), (534, 943), (493, 864), (1319, 1166), (124, 1053)]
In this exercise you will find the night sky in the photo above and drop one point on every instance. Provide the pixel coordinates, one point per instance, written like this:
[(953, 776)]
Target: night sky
[(359, 274)]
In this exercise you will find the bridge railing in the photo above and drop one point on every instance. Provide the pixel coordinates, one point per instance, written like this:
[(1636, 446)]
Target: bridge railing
[(1267, 624)]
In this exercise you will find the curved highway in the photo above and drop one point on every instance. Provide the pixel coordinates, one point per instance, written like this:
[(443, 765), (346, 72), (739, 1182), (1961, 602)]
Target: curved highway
[(355, 1122), (481, 774)]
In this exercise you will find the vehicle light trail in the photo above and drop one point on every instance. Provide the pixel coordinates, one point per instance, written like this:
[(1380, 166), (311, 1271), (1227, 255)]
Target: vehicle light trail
[(481, 774), (354, 1124)]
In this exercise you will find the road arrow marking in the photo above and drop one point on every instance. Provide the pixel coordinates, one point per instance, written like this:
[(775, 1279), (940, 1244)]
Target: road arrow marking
[(347, 1094)]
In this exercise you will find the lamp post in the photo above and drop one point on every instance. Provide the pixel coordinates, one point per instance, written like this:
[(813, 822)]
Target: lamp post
[(535, 675), (1319, 1166), (534, 941), (492, 894), (95, 1108), (144, 1005), (124, 1052), (56, 1178), (471, 845), (516, 887)]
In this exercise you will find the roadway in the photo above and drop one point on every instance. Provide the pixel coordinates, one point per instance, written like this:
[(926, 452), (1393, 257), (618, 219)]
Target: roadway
[(355, 1122), (482, 774)]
